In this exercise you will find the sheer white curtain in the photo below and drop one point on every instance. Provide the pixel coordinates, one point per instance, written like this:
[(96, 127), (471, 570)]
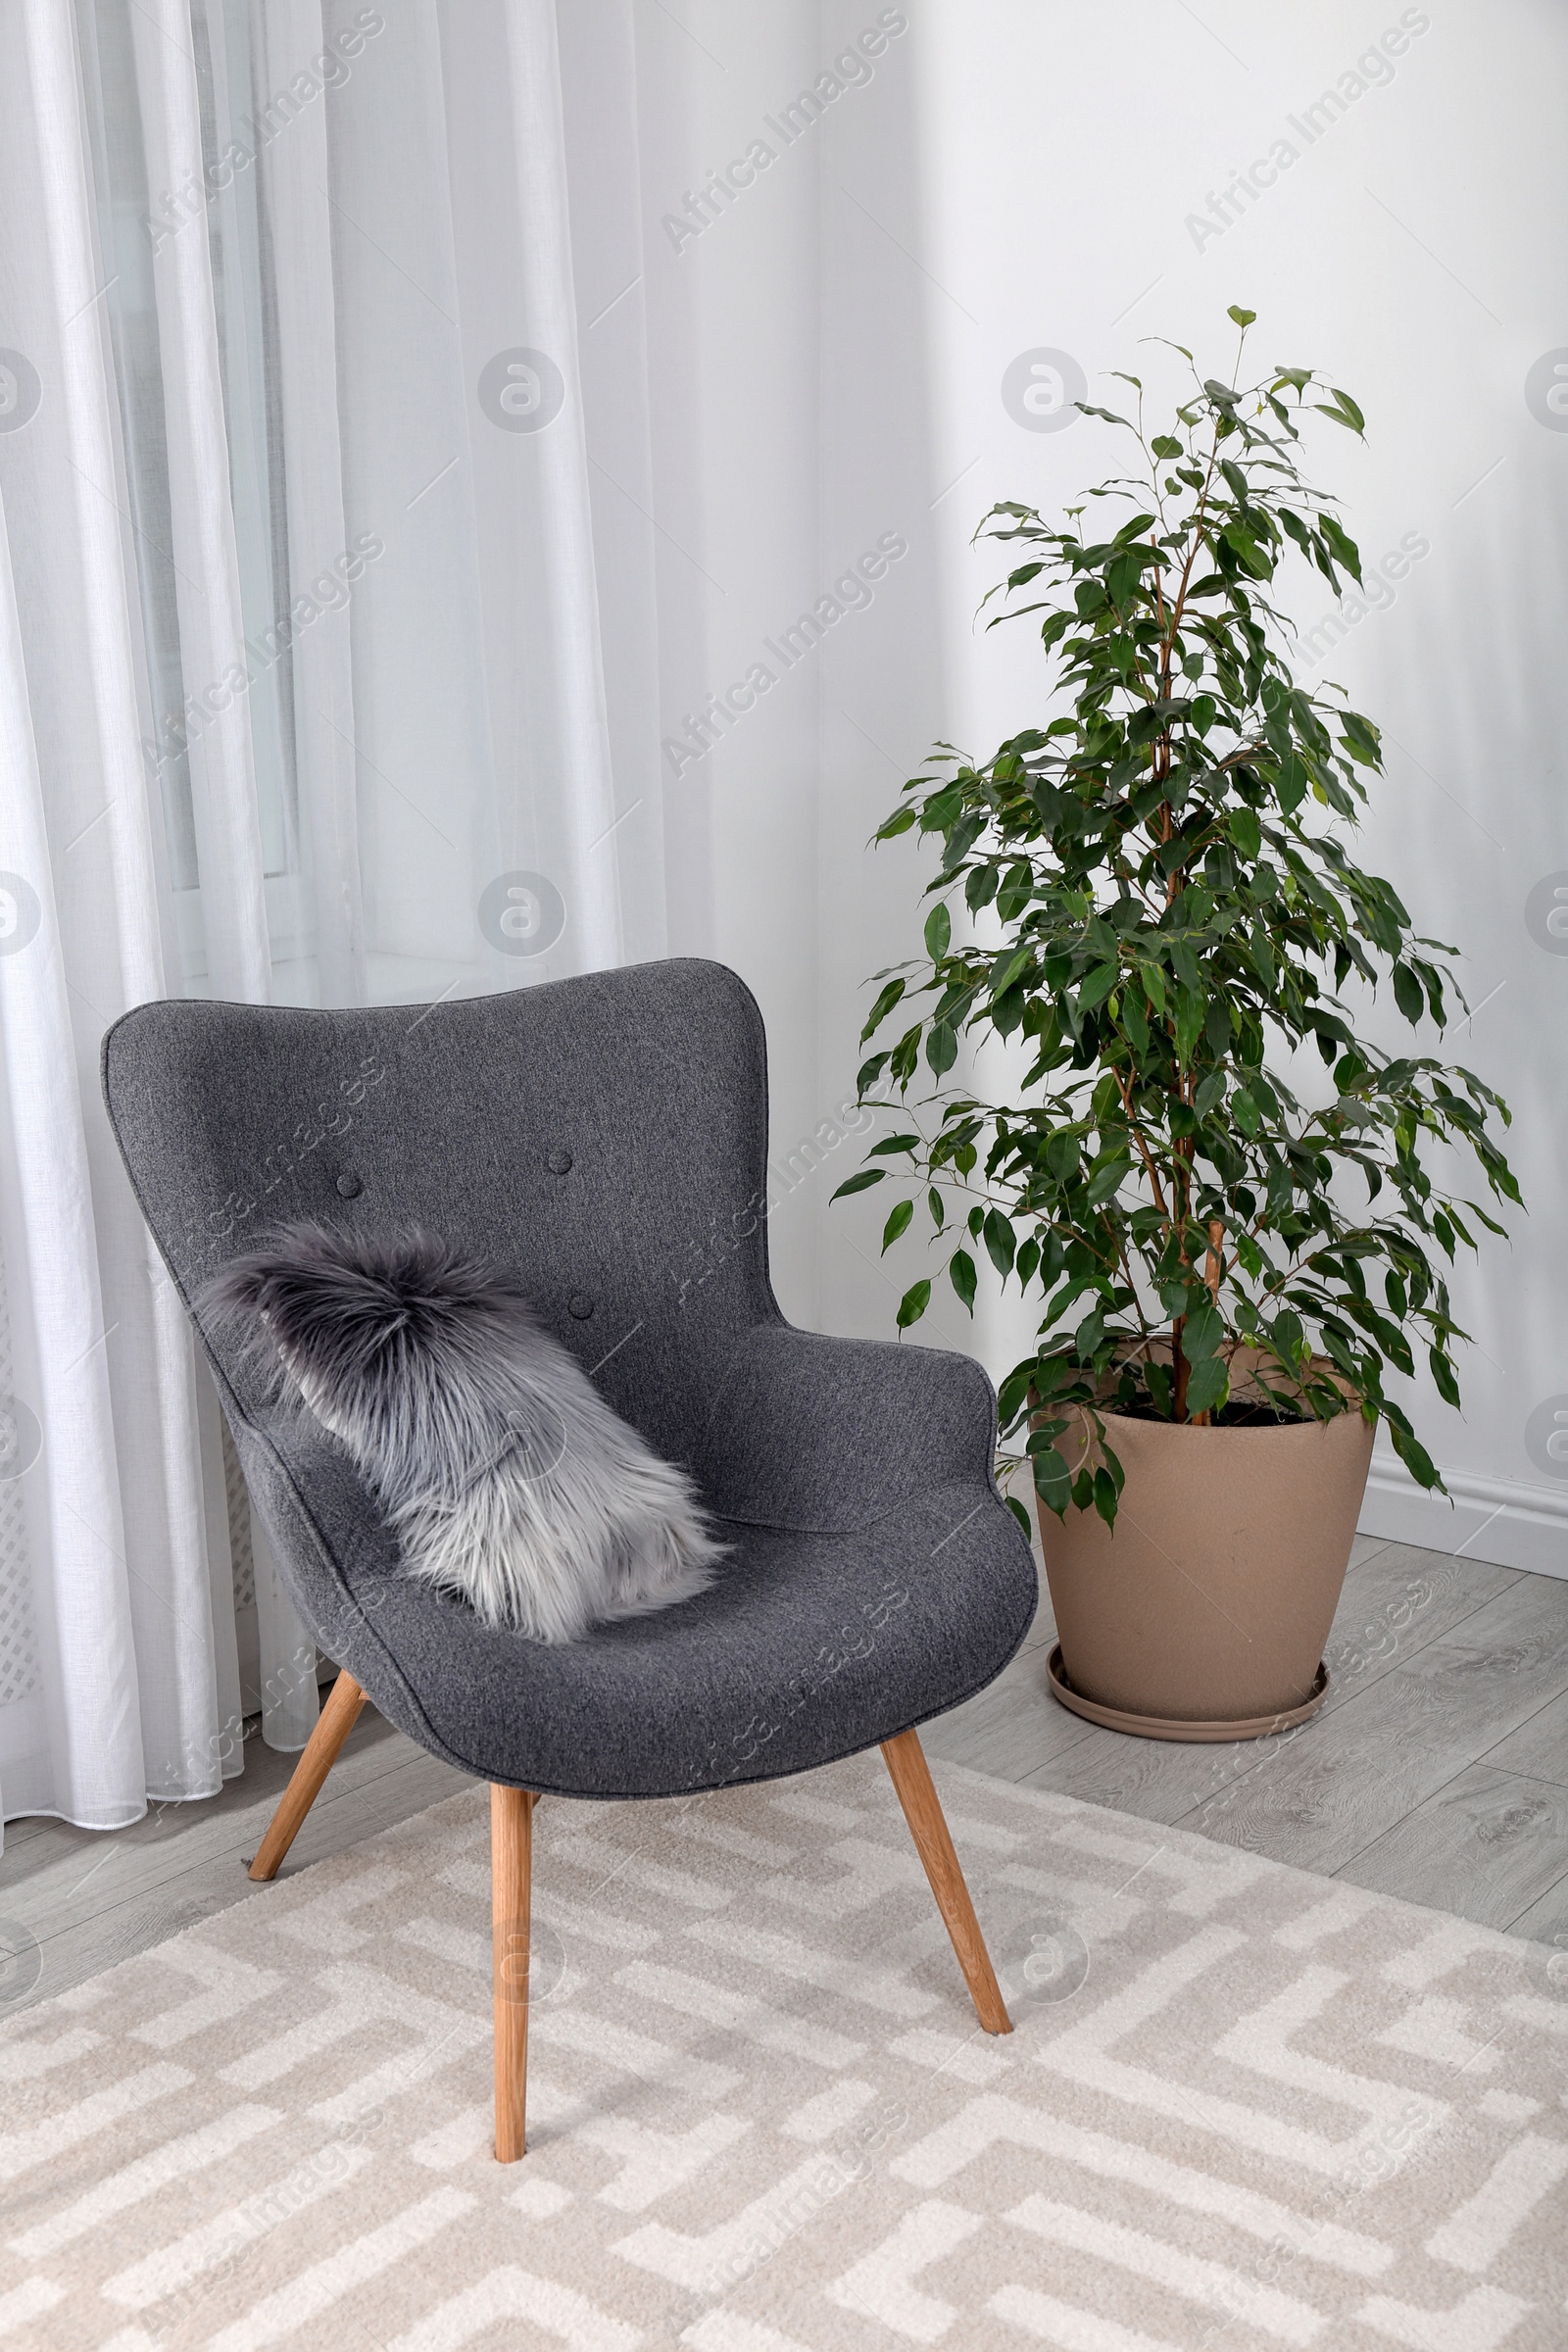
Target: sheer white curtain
[(310, 692)]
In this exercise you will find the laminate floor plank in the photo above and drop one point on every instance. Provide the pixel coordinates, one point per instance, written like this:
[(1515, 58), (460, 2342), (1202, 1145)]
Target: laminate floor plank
[(335, 1825), (1394, 1603), (1351, 1776), (68, 1873), (1164, 1781), (1539, 1749), (1494, 1841), (24, 1826), (75, 1945), (101, 1893), (1547, 1923)]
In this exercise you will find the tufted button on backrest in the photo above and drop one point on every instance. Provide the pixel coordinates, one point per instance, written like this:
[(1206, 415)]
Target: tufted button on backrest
[(559, 1164), (580, 1306), (350, 1186)]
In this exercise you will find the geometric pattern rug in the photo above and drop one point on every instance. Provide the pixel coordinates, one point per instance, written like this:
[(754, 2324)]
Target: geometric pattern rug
[(1242, 2107)]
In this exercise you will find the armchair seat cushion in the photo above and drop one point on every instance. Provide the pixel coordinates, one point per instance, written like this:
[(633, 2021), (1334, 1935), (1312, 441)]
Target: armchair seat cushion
[(810, 1646)]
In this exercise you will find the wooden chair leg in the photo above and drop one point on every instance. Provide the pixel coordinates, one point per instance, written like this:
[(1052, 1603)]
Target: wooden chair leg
[(510, 1875), (333, 1727), (922, 1810)]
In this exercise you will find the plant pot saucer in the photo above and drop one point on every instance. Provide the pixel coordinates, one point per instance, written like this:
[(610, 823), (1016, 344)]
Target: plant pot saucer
[(1168, 1726)]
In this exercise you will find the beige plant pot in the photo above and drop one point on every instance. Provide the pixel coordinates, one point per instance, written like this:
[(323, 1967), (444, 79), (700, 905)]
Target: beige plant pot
[(1203, 1615)]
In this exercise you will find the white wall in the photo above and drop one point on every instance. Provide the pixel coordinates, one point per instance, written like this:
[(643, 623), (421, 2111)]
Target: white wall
[(1035, 175)]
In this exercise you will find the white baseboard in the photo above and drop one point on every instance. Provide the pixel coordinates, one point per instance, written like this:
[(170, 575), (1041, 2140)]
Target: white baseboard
[(1494, 1519)]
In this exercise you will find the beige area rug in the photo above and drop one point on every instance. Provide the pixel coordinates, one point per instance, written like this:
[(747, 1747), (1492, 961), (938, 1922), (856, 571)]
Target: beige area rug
[(1242, 2107)]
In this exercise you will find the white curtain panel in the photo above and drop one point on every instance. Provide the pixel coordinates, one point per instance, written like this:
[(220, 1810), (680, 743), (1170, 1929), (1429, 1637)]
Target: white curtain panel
[(311, 691)]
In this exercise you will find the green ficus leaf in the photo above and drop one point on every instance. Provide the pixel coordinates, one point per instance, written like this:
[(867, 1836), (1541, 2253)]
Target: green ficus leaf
[(1053, 1481), (1246, 832), (1236, 480), (941, 1047), (1203, 1331), (938, 931), (1061, 1155), (858, 1183), (1362, 738), (1106, 1181), (912, 1305), (1184, 963), (898, 822), (961, 1275), (884, 1004), (1000, 1242), (1412, 1453), (1208, 1385), (1292, 784), (1262, 955), (1339, 414), (1008, 969), (1090, 1333), (1408, 994), (1122, 576), (980, 887), (1343, 549), (1098, 987), (898, 1222), (1007, 1011), (961, 839), (1190, 1013)]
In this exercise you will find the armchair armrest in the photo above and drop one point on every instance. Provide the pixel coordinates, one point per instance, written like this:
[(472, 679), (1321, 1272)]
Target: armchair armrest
[(807, 1432)]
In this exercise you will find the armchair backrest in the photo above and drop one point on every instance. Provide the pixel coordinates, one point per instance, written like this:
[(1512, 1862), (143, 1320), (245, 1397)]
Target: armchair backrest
[(605, 1137)]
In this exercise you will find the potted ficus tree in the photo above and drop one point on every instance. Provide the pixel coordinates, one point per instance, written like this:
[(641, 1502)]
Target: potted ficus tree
[(1235, 1207)]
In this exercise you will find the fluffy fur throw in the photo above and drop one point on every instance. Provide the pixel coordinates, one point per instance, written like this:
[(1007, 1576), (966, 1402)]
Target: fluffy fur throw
[(504, 1472)]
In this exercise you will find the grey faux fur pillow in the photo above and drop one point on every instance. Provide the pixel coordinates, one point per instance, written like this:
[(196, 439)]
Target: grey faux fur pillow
[(505, 1473)]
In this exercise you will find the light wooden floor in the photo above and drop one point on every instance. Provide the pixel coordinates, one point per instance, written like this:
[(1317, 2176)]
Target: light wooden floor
[(1437, 1771), (92, 1897)]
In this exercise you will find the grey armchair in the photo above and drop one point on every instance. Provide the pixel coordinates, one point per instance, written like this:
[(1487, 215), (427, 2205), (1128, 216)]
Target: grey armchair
[(606, 1138)]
